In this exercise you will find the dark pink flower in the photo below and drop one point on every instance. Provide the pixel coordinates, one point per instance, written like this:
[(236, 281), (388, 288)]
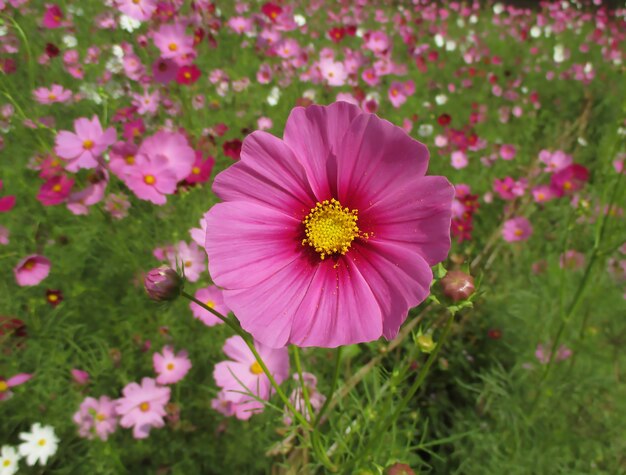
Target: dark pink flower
[(188, 74), (569, 180), (55, 190), (330, 231), (201, 170), (53, 17), (6, 202)]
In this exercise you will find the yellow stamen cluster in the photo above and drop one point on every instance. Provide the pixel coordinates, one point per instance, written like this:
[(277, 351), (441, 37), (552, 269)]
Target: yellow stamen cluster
[(330, 228), (255, 368), (144, 406)]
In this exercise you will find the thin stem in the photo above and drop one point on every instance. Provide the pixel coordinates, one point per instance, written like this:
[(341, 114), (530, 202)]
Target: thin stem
[(249, 341), (333, 387), (305, 390)]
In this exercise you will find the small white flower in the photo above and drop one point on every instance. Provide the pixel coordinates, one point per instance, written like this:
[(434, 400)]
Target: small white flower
[(559, 54), (360, 32), (425, 130), (460, 22), (39, 444), (450, 45), (70, 41), (3, 30), (439, 41), (535, 31), (473, 19), (498, 8), (588, 68), (300, 20), (309, 94), (582, 142), (8, 460), (274, 96), (441, 99), (129, 24)]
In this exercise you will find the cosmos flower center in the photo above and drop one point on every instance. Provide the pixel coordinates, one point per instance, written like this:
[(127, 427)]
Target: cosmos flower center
[(195, 170), (144, 407), (53, 297), (51, 97), (100, 417), (56, 188), (6, 463), (3, 386), (170, 366), (330, 228), (42, 442), (210, 304), (518, 232), (130, 159), (172, 46), (187, 75), (88, 144), (149, 179), (567, 185), (29, 265), (255, 368)]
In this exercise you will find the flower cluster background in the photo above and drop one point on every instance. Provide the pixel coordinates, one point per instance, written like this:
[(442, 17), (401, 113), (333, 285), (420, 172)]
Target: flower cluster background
[(117, 116)]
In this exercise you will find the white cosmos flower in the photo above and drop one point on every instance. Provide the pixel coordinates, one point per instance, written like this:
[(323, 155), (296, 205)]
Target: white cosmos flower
[(424, 130), (274, 96), (8, 460), (300, 20), (39, 444), (70, 41), (559, 54), (535, 31), (439, 41), (129, 24), (441, 99), (498, 8)]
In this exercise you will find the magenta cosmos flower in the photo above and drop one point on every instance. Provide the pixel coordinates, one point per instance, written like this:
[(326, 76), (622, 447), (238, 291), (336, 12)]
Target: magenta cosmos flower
[(170, 367), (96, 417), (142, 407), (326, 237), (31, 270), (242, 374)]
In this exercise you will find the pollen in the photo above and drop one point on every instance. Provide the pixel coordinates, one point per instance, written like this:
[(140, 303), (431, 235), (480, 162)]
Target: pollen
[(42, 442), (172, 46), (255, 368), (195, 171), (100, 417), (144, 406), (210, 304), (88, 144), (170, 366), (57, 188), (3, 386), (149, 180), (330, 228)]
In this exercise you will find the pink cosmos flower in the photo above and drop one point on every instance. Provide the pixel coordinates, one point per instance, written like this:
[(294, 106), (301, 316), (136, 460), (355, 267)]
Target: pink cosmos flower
[(199, 234), (222, 405), (31, 270), (333, 72), (242, 374), (172, 41), (151, 180), (6, 202), (170, 367), (190, 258), (296, 398), (240, 24), (555, 161), (164, 70), (79, 376), (458, 159), (201, 170), (330, 232), (396, 94), (83, 147), (572, 260), (517, 229), (4, 235), (212, 297), (542, 193), (56, 93), (140, 10), (507, 152), (569, 179), (55, 190), (117, 204), (542, 353), (96, 417), (80, 201), (173, 148), (53, 17), (142, 407), (7, 384)]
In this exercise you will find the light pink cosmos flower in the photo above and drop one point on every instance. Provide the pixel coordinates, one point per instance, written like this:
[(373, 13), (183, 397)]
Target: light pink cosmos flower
[(80, 201), (174, 148), (56, 93), (458, 159), (542, 353), (4, 235), (151, 180), (7, 384), (517, 229), (140, 10), (396, 94), (212, 297), (142, 407), (242, 374), (170, 367), (240, 25), (507, 152), (555, 161), (79, 376), (572, 260), (96, 417), (82, 148), (326, 237), (296, 398), (542, 193), (223, 405), (333, 72), (172, 41), (190, 258), (31, 270)]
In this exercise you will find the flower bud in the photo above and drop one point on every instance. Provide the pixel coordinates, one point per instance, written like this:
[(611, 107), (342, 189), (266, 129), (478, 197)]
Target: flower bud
[(163, 283), (399, 469), (457, 285)]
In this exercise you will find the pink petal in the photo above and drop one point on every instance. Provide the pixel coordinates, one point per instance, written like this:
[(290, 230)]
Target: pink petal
[(314, 134), (416, 214), (18, 379), (261, 241), (374, 157), (269, 174), (68, 145), (237, 350), (7, 203), (339, 308)]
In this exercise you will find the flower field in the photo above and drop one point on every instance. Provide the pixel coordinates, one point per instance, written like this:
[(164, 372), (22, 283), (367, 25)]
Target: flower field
[(302, 237)]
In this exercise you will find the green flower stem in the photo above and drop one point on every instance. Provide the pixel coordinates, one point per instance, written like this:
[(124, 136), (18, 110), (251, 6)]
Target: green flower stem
[(305, 390), (234, 325), (333, 388)]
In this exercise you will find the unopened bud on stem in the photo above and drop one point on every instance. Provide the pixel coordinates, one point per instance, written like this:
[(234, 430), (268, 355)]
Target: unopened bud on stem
[(457, 285), (163, 283)]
